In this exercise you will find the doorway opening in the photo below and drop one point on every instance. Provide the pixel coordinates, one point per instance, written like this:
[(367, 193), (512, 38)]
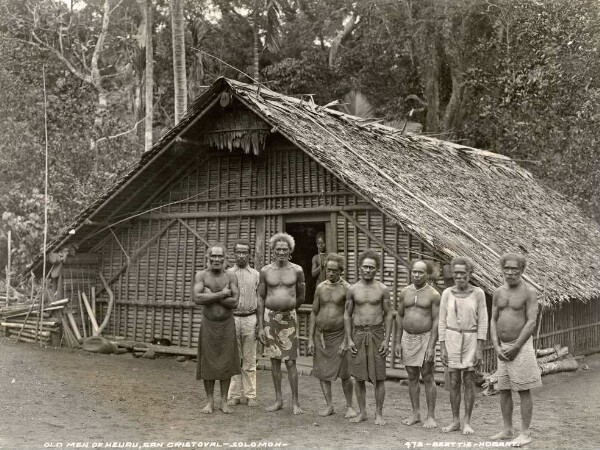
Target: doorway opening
[(305, 234)]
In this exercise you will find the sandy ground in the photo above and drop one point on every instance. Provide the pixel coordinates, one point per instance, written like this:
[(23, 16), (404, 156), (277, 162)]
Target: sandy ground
[(59, 398)]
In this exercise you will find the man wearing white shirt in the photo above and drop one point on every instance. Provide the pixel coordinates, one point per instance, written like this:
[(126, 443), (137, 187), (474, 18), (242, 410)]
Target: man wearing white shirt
[(243, 387)]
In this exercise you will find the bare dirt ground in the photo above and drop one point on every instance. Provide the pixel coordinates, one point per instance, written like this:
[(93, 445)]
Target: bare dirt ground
[(58, 398)]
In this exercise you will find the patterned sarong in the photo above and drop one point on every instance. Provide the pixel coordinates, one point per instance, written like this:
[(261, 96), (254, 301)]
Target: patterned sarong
[(522, 373), (368, 364), (328, 364), (280, 334), (414, 347), (218, 357)]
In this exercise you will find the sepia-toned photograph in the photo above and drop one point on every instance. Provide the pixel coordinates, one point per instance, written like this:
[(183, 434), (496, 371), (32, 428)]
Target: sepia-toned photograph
[(299, 224)]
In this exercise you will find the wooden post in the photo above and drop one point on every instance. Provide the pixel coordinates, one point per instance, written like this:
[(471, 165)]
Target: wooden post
[(8, 270)]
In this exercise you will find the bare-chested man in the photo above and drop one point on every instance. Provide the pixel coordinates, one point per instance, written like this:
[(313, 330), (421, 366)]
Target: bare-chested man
[(514, 311), (330, 360), (416, 336), (218, 359), (367, 310), (318, 261), (280, 292)]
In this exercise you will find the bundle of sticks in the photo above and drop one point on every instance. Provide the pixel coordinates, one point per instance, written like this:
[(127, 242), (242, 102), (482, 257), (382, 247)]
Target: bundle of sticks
[(29, 324)]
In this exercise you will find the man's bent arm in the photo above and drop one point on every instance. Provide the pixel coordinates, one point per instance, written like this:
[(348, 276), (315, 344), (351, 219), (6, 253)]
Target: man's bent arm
[(313, 315), (316, 266), (300, 287), (531, 309), (204, 298), (232, 301)]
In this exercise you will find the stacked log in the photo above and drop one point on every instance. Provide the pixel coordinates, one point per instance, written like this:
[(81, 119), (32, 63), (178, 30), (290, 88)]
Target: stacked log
[(27, 323), (550, 360)]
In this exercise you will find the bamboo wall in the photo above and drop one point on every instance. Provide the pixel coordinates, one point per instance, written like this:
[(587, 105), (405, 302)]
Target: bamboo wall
[(222, 196)]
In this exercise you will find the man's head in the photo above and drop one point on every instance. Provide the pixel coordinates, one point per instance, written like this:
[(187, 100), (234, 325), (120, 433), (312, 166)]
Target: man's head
[(512, 265), (368, 263), (216, 256), (462, 268), (334, 267), (320, 240), (282, 245), (421, 271), (242, 252)]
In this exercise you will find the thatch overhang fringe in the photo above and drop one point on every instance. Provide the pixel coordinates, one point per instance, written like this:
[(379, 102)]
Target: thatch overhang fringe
[(489, 196)]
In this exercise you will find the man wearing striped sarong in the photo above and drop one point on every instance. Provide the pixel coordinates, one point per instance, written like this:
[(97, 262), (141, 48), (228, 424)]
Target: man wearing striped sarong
[(514, 312)]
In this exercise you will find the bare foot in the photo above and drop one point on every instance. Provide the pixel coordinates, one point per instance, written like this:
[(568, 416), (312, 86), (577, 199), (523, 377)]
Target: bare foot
[(296, 410), (327, 411), (274, 407), (208, 409), (252, 403), (503, 435), (452, 427), (379, 420), (467, 429), (350, 413), (415, 418), (430, 423), (521, 440), (361, 417), (225, 408)]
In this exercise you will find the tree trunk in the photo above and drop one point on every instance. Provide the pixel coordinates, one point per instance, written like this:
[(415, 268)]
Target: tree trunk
[(149, 78), (179, 73), (256, 46), (341, 37)]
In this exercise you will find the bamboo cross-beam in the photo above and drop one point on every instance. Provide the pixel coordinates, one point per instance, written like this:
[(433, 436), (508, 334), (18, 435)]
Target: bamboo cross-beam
[(136, 255), (374, 238)]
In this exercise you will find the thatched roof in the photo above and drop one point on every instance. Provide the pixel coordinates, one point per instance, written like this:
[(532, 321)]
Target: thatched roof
[(460, 200)]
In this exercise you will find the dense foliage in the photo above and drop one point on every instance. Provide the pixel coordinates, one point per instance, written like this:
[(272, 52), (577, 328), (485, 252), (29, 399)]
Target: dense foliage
[(518, 78)]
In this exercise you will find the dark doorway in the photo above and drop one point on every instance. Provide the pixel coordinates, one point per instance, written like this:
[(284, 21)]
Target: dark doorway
[(305, 234)]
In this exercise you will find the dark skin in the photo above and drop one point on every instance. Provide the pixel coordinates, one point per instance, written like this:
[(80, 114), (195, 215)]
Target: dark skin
[(417, 314), (217, 291), (328, 315), (514, 313), (281, 288), (367, 303)]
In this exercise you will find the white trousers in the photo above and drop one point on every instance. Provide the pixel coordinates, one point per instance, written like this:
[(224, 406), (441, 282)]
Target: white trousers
[(244, 385)]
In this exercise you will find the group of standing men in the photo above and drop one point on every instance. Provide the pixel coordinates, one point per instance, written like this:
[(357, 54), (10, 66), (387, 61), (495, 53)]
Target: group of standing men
[(350, 331)]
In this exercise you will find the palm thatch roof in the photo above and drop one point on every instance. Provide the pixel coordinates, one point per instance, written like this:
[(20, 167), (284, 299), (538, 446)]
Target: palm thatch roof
[(460, 200)]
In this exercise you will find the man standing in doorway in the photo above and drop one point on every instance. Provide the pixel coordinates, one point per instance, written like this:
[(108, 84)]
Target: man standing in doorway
[(218, 359), (326, 328), (416, 336), (368, 323), (318, 261), (243, 387), (462, 330), (281, 291), (514, 312)]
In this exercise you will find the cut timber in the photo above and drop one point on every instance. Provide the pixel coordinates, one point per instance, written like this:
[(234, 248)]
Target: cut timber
[(564, 365), (88, 307), (74, 326), (111, 302), (26, 326), (557, 354), (167, 349)]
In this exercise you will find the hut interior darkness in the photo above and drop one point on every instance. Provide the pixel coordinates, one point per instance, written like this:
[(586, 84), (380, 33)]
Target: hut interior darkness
[(246, 162)]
